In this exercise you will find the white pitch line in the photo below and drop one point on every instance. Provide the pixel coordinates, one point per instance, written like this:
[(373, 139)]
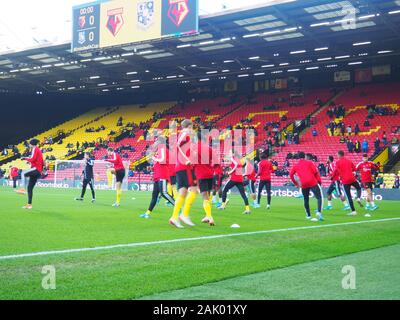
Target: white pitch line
[(143, 244)]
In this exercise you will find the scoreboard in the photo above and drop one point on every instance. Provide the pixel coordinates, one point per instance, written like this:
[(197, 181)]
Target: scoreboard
[(107, 23)]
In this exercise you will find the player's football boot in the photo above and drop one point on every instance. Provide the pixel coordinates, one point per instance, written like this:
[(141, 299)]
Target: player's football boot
[(78, 199), (247, 212), (116, 205), (373, 208), (346, 207), (256, 205), (176, 224), (28, 207), (21, 191), (93, 200), (145, 216), (211, 222), (186, 220), (205, 220), (168, 204), (353, 213), (329, 207), (268, 207), (367, 207), (367, 215), (320, 216), (359, 202)]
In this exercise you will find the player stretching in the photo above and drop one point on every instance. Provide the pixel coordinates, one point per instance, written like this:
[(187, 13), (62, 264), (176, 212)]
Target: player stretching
[(345, 168), (250, 174), (335, 185), (160, 176), (217, 185), (87, 177), (204, 171), (185, 178), (236, 180), (34, 173), (367, 180), (265, 169), (309, 180), (118, 171)]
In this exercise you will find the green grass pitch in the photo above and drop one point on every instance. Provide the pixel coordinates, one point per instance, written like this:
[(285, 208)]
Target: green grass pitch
[(287, 259)]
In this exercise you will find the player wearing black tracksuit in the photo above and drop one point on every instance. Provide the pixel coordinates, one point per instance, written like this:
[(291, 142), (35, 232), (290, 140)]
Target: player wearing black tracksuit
[(88, 178)]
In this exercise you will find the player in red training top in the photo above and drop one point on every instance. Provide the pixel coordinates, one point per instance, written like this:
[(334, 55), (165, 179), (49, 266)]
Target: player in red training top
[(160, 175), (335, 185), (251, 178), (185, 178), (236, 180), (14, 173), (265, 169), (204, 171), (308, 179), (118, 171), (367, 180), (34, 173), (171, 144), (345, 168)]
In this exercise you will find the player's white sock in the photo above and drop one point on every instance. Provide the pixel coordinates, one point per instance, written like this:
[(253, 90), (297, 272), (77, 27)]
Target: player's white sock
[(214, 198), (329, 203), (345, 203), (372, 203)]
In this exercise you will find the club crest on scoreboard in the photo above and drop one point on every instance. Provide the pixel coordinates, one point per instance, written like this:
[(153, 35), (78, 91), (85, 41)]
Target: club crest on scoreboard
[(115, 20), (178, 11), (82, 21), (145, 14), (82, 37)]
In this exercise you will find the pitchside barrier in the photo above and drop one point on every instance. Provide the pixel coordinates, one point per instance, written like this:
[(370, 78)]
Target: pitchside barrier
[(283, 192)]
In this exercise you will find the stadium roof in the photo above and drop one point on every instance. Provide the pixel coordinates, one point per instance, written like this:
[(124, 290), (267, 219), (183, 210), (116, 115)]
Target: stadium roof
[(298, 36)]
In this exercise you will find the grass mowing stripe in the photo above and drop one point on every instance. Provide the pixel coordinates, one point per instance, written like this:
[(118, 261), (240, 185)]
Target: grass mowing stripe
[(142, 244), (377, 277)]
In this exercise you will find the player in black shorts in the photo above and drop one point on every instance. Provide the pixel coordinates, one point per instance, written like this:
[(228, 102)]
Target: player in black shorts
[(87, 177)]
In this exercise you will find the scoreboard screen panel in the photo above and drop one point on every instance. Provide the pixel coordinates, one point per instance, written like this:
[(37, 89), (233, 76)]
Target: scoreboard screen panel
[(106, 23)]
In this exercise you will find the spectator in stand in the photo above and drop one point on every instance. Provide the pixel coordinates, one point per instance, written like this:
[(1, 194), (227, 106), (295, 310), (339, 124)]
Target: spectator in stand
[(364, 146), (296, 138), (349, 130), (379, 182), (396, 184), (366, 123), (384, 138), (314, 132), (377, 145), (357, 146), (350, 146), (356, 129), (342, 129)]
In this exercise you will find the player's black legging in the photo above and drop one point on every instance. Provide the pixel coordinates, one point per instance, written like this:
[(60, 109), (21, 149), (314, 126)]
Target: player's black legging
[(217, 186), (33, 178), (347, 191), (239, 185), (87, 182), (267, 185), (318, 195), (160, 187)]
